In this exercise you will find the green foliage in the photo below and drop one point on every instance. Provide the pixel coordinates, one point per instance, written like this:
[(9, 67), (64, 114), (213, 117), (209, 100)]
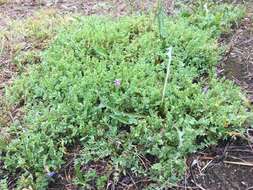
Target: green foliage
[(215, 18), (26, 57), (100, 85), (3, 184)]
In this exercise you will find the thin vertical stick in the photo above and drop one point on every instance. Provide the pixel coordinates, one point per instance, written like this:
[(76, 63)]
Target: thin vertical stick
[(2, 46), (169, 54)]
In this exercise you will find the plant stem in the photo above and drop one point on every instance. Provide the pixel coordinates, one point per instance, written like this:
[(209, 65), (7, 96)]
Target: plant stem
[(169, 54)]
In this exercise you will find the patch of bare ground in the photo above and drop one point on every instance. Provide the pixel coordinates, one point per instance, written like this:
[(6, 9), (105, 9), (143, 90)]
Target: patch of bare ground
[(238, 63), (228, 166)]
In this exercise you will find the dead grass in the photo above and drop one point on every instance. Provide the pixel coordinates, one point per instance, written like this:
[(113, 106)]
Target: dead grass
[(3, 2), (35, 32)]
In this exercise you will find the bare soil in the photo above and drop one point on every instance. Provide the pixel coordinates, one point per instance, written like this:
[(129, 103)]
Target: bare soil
[(228, 166), (238, 63)]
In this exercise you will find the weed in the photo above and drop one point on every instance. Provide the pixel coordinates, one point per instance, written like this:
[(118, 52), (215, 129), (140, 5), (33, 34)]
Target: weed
[(209, 16)]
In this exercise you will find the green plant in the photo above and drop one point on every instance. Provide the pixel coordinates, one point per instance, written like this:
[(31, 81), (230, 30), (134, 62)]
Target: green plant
[(210, 16), (26, 57), (3, 184), (100, 85)]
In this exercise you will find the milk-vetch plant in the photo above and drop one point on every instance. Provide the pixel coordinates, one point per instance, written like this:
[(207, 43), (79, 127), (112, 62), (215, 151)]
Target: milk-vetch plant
[(103, 84)]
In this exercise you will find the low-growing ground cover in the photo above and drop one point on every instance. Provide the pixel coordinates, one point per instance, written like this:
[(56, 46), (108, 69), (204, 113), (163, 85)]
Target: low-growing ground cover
[(100, 87)]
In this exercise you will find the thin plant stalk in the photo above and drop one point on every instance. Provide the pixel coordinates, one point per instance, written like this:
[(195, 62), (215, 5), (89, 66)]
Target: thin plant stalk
[(2, 46), (169, 54)]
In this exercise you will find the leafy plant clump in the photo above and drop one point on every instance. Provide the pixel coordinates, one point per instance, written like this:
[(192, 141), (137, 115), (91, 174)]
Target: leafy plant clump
[(208, 15), (100, 86)]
